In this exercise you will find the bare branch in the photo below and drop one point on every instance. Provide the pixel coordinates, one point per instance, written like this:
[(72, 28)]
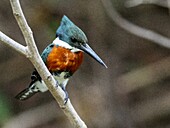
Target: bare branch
[(32, 53), (26, 30), (133, 3), (168, 3), (13, 44), (134, 29)]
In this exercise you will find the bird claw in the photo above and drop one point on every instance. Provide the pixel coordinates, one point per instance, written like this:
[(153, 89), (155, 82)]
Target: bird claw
[(66, 93), (57, 84), (66, 96), (66, 99)]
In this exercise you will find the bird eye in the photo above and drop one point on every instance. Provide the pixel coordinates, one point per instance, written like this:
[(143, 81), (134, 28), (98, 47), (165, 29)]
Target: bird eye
[(51, 45), (57, 35), (73, 39)]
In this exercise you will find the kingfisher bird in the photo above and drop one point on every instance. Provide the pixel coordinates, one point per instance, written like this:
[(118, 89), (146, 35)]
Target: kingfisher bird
[(62, 58)]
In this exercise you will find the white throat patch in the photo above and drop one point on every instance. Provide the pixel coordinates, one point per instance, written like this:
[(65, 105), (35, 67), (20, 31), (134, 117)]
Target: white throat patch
[(61, 43)]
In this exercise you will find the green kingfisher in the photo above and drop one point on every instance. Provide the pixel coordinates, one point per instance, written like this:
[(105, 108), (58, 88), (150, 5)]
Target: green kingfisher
[(62, 58)]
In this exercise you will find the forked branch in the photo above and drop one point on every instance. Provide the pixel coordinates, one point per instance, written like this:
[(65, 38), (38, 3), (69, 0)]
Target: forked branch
[(135, 29), (13, 44), (31, 52)]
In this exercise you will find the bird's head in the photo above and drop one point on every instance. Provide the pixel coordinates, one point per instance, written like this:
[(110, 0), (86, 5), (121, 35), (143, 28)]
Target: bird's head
[(75, 37)]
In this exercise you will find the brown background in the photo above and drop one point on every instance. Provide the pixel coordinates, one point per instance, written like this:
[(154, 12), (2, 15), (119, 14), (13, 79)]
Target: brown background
[(132, 93)]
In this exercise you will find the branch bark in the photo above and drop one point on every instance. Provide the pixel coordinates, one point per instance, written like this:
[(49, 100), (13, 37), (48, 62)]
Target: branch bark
[(135, 29), (31, 52), (13, 44)]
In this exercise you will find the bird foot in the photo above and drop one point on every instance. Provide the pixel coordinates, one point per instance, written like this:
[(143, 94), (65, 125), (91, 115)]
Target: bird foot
[(56, 84), (66, 95), (66, 99)]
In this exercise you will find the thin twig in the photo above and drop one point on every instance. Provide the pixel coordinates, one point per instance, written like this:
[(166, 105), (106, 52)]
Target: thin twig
[(133, 3), (26, 30), (13, 44), (134, 29), (168, 3)]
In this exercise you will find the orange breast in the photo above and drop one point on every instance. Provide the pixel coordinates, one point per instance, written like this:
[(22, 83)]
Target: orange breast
[(62, 59)]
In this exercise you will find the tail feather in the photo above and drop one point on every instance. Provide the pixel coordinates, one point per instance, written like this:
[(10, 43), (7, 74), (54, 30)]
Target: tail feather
[(26, 93)]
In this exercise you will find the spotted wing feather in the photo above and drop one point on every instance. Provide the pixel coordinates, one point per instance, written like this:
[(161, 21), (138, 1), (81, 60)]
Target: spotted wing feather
[(26, 93), (32, 89)]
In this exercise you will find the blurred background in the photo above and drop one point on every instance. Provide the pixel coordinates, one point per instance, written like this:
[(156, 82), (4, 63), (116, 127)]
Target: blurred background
[(134, 92)]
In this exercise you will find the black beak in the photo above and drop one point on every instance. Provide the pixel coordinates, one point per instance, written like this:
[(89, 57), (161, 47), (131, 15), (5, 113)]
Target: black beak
[(86, 48)]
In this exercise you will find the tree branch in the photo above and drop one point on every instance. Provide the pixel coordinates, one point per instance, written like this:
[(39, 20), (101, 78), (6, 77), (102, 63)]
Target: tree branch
[(134, 29), (133, 3), (32, 53), (168, 3), (13, 44)]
